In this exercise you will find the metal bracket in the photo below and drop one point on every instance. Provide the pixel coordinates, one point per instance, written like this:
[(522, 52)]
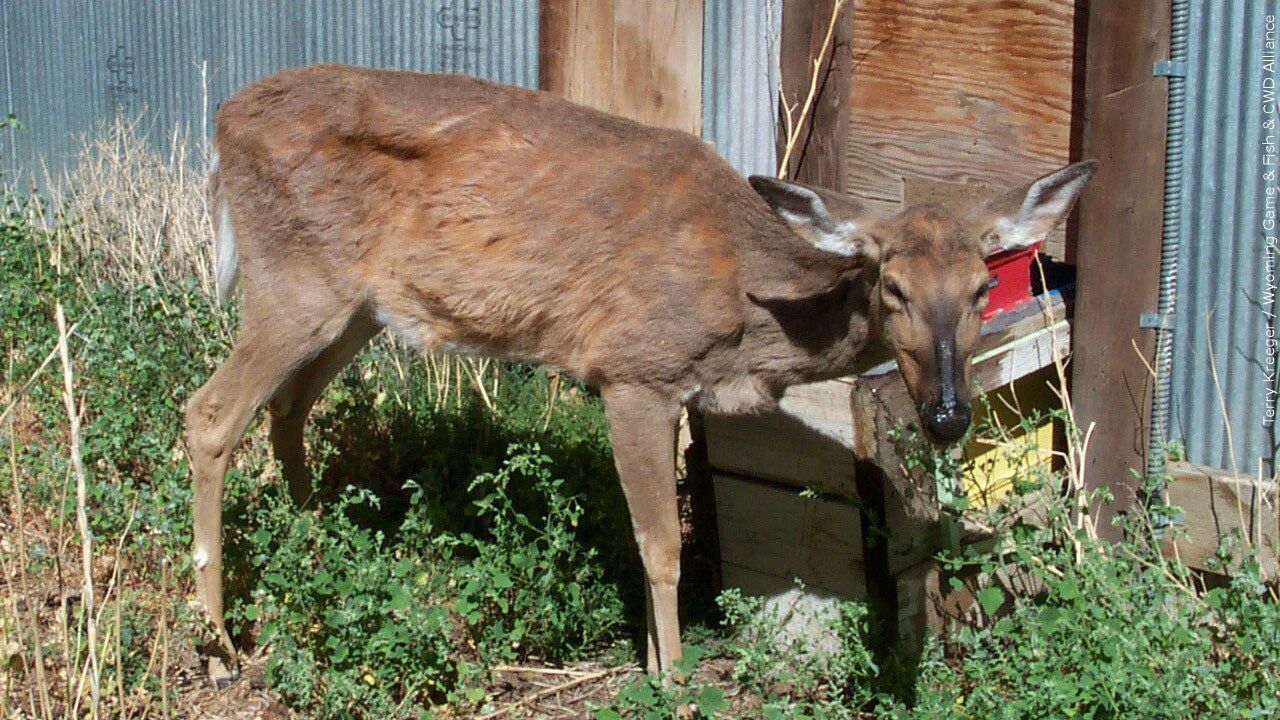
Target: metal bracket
[(1155, 321), (1169, 68)]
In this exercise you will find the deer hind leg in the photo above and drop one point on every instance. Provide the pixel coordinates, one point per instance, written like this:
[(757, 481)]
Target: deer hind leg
[(294, 400), (266, 353), (642, 428)]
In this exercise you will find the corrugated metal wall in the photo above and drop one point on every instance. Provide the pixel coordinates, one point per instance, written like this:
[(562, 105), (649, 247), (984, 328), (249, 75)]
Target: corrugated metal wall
[(740, 81), (1227, 278), (70, 65)]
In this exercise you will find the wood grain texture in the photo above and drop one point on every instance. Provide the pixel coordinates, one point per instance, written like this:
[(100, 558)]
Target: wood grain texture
[(1118, 245), (641, 59), (806, 443), (773, 530), (818, 157), (1216, 503), (959, 91)]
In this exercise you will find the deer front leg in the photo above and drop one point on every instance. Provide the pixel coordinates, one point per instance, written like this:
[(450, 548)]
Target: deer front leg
[(642, 428)]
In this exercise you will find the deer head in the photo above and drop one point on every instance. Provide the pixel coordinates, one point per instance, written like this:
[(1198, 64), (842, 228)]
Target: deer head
[(929, 282)]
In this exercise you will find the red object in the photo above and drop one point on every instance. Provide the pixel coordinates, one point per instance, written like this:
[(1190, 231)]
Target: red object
[(1012, 270)]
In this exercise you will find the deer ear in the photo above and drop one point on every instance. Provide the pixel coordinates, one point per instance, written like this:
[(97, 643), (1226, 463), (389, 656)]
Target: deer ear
[(1027, 215), (828, 221)]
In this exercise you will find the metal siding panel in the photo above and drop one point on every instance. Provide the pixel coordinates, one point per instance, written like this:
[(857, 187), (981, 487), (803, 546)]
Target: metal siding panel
[(740, 82), (10, 146), (68, 64), (1222, 316)]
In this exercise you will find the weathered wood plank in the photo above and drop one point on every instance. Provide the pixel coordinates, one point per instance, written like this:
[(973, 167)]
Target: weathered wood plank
[(958, 91), (1216, 503), (1118, 244), (773, 530), (576, 50), (791, 449), (638, 58), (657, 62), (807, 618)]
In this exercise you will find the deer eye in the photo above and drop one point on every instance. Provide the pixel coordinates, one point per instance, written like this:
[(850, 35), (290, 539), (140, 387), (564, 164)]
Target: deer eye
[(893, 291)]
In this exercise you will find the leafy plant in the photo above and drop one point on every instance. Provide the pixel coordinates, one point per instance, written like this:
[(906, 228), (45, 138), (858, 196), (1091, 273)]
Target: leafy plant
[(530, 588), (350, 623), (651, 698)]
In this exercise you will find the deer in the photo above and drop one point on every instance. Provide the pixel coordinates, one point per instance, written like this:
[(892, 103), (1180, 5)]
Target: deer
[(470, 217)]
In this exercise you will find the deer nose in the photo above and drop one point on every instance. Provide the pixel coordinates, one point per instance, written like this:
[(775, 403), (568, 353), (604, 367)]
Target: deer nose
[(946, 424)]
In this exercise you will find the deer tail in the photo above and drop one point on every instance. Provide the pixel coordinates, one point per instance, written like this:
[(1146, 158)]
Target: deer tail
[(226, 258)]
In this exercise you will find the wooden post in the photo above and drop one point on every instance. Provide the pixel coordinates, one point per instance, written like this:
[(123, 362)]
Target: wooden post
[(1118, 246), (641, 59), (818, 158)]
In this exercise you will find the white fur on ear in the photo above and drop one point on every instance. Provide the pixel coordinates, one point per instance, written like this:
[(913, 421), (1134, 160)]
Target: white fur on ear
[(805, 212), (1010, 234), (1044, 203)]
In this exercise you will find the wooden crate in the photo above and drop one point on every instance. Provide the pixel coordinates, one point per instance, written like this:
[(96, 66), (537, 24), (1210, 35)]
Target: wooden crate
[(803, 555), (806, 444), (771, 535), (995, 466), (820, 438)]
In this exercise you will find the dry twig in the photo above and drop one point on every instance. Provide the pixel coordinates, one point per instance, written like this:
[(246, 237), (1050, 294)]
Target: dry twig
[(554, 690), (82, 517), (795, 125)]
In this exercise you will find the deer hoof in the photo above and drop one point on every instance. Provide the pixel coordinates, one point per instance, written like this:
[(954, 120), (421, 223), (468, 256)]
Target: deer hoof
[(220, 674)]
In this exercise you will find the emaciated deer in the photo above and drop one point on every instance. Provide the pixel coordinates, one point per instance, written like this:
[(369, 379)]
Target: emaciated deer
[(472, 217)]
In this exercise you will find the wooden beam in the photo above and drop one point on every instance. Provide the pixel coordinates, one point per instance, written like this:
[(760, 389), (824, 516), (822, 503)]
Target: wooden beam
[(819, 156), (641, 59), (1118, 246)]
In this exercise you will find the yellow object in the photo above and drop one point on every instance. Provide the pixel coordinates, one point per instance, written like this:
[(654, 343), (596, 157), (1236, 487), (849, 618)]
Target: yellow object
[(998, 458)]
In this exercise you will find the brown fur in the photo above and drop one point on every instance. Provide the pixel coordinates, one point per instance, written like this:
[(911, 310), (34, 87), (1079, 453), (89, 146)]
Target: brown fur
[(470, 216)]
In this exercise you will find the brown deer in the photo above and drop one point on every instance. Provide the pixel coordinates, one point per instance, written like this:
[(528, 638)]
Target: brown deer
[(473, 217)]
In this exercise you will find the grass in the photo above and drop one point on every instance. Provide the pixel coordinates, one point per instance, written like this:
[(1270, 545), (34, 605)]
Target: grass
[(473, 556)]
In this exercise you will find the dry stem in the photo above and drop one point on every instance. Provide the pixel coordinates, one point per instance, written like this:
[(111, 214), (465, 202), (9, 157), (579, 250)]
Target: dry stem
[(82, 517), (554, 690), (795, 125)]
